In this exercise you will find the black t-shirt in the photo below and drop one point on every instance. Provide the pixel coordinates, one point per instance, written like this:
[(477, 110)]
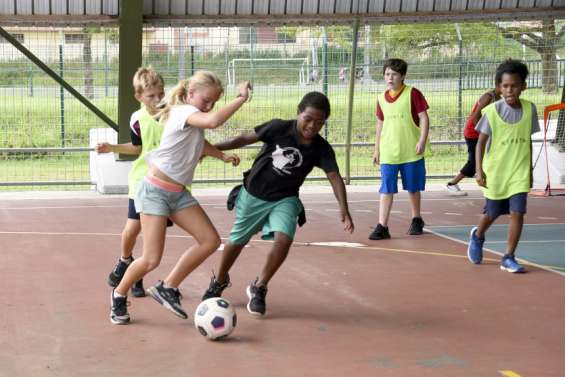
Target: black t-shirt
[(283, 163)]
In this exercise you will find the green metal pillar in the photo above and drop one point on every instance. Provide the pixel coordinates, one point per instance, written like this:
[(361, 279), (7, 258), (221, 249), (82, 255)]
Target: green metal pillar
[(350, 102), (131, 31)]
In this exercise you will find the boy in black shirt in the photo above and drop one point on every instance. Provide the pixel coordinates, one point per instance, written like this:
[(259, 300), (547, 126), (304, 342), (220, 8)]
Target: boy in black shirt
[(268, 200)]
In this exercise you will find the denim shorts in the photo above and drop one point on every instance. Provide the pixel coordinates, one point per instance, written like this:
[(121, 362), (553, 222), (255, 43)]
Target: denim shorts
[(413, 176), (153, 200), (515, 203), (134, 215), (253, 214)]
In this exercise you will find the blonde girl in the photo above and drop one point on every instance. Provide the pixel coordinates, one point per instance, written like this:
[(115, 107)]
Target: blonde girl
[(186, 112)]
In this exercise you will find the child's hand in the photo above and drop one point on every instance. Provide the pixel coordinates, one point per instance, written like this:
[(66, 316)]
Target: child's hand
[(245, 89), (233, 158), (481, 178), (347, 222), (376, 158), (420, 147), (103, 148)]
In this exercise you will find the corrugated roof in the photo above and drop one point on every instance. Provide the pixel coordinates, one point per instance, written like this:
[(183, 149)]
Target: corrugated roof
[(193, 12)]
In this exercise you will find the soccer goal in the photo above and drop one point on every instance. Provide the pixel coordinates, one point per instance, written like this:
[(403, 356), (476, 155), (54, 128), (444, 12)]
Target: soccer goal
[(548, 163), (236, 66)]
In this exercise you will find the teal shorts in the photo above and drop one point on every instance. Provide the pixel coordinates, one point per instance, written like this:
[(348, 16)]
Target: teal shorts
[(253, 214)]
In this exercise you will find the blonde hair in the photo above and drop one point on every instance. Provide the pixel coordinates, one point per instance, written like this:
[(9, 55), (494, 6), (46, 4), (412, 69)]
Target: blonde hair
[(146, 77), (178, 94)]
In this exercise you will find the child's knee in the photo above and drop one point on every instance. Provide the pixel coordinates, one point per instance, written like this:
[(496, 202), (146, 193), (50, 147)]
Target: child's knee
[(149, 263)]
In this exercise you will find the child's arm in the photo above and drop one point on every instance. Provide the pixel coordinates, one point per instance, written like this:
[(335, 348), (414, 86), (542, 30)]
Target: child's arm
[(210, 150), (216, 119), (238, 141), (479, 154), (341, 195), (483, 102), (377, 153), (424, 130), (127, 148)]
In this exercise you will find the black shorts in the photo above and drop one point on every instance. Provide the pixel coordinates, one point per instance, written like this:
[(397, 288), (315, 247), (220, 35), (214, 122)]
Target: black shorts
[(134, 215), (468, 170)]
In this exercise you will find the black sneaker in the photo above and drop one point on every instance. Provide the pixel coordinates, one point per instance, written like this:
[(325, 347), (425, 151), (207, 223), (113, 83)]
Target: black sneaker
[(416, 226), (119, 312), (216, 288), (256, 305), (118, 272), (380, 233), (168, 297), (137, 290)]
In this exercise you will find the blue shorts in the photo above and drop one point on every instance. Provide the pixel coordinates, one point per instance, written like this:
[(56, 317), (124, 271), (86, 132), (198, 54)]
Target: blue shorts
[(515, 203), (153, 200), (413, 176)]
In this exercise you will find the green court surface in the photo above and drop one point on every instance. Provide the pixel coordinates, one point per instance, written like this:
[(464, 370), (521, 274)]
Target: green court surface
[(540, 244)]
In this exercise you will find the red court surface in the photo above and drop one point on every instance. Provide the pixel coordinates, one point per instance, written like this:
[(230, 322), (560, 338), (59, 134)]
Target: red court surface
[(409, 306)]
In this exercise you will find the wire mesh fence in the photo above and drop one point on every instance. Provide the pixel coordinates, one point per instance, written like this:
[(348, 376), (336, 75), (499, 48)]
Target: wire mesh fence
[(44, 131)]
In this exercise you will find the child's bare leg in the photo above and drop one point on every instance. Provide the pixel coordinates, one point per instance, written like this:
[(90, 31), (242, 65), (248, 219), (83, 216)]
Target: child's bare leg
[(195, 222), (484, 224), (129, 237), (457, 179), (229, 256), (415, 200), (275, 259), (384, 208), (514, 231), (154, 231)]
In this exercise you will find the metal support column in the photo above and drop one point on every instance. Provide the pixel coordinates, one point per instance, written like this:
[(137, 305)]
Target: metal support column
[(130, 39), (350, 102)]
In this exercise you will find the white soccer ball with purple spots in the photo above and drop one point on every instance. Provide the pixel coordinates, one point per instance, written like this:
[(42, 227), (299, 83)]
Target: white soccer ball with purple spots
[(215, 318)]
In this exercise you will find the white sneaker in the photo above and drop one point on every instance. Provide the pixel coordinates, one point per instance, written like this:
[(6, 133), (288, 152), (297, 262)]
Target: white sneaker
[(454, 190)]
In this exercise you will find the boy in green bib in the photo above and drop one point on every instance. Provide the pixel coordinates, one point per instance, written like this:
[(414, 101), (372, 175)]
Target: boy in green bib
[(400, 145), (145, 134), (504, 161)]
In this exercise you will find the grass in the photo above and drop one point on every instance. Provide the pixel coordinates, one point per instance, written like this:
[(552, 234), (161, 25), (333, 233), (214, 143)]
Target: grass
[(37, 122)]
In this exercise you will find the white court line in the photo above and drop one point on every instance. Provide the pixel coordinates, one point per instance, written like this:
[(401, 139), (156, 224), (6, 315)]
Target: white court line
[(298, 243), (362, 210), (494, 252), (453, 214), (521, 241), (547, 218), (493, 225)]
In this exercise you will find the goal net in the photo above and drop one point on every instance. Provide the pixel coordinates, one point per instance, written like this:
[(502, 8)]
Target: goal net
[(273, 70), (548, 163)]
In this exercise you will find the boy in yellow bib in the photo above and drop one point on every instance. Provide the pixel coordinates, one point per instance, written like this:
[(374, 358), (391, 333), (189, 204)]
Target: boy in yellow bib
[(504, 161), (145, 134), (400, 144)]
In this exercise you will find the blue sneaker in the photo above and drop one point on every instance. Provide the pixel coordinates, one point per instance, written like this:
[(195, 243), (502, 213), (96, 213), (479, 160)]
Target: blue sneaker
[(509, 264), (475, 248)]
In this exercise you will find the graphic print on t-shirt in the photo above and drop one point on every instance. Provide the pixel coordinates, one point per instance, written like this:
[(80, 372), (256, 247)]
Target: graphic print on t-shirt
[(285, 159)]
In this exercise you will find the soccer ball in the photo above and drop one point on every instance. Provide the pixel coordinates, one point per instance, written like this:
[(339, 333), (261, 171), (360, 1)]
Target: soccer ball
[(215, 318)]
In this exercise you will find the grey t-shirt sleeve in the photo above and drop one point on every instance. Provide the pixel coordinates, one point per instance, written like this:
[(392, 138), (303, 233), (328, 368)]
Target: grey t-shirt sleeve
[(483, 126)]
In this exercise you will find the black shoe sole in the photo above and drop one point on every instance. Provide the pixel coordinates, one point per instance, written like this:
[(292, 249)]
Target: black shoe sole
[(373, 238)]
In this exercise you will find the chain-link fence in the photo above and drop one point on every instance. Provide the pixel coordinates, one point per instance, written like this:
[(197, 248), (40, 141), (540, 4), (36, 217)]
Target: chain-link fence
[(44, 131)]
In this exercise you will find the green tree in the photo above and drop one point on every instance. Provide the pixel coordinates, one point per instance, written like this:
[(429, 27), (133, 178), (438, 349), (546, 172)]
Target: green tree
[(544, 37)]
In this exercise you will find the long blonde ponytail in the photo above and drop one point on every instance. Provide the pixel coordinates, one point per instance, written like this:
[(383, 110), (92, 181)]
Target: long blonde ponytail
[(179, 93)]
